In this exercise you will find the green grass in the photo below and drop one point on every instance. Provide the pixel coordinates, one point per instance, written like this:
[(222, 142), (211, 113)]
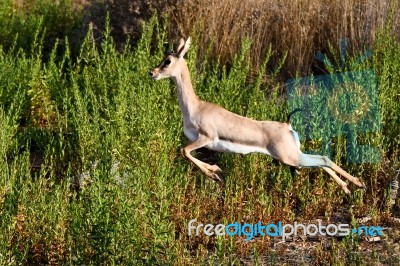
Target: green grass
[(113, 188)]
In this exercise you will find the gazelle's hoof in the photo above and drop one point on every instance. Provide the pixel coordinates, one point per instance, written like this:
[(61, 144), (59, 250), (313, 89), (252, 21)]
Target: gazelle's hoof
[(216, 169), (216, 177), (346, 190), (215, 173), (357, 182)]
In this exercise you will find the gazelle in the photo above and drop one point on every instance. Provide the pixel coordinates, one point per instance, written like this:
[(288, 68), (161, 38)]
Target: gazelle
[(211, 126)]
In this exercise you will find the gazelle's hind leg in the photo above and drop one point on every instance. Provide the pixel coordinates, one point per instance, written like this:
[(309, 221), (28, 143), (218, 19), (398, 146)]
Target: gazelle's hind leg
[(308, 160), (340, 182), (351, 178)]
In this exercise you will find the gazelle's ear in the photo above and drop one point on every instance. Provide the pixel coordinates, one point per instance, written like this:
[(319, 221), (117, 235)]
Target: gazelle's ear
[(183, 47), (181, 44)]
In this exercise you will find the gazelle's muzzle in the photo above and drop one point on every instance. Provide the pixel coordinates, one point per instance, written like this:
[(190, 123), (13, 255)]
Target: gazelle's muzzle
[(154, 73)]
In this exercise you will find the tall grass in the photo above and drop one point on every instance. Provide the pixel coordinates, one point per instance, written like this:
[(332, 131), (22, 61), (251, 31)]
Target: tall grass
[(300, 28), (112, 187)]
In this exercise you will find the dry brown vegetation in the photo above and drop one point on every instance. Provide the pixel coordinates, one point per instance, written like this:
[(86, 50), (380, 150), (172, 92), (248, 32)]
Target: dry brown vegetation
[(299, 28)]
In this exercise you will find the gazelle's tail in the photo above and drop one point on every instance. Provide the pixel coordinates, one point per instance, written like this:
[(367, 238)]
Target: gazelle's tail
[(292, 113)]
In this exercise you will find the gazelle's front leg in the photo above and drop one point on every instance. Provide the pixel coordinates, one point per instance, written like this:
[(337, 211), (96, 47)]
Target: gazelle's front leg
[(211, 171)]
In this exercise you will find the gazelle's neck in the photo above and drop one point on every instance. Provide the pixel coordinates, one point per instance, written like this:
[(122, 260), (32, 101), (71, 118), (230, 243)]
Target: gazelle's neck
[(188, 100)]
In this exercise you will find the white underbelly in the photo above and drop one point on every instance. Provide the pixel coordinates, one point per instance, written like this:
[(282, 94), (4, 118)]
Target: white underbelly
[(222, 145), (227, 146)]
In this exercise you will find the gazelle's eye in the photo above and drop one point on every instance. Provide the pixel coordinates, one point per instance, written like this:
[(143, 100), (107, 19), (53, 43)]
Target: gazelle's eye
[(167, 62)]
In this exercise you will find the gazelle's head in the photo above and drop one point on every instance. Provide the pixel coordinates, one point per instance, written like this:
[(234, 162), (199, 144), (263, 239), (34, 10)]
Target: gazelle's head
[(172, 63)]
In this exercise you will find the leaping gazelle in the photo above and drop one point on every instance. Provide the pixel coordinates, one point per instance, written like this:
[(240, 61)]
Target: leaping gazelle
[(211, 126)]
